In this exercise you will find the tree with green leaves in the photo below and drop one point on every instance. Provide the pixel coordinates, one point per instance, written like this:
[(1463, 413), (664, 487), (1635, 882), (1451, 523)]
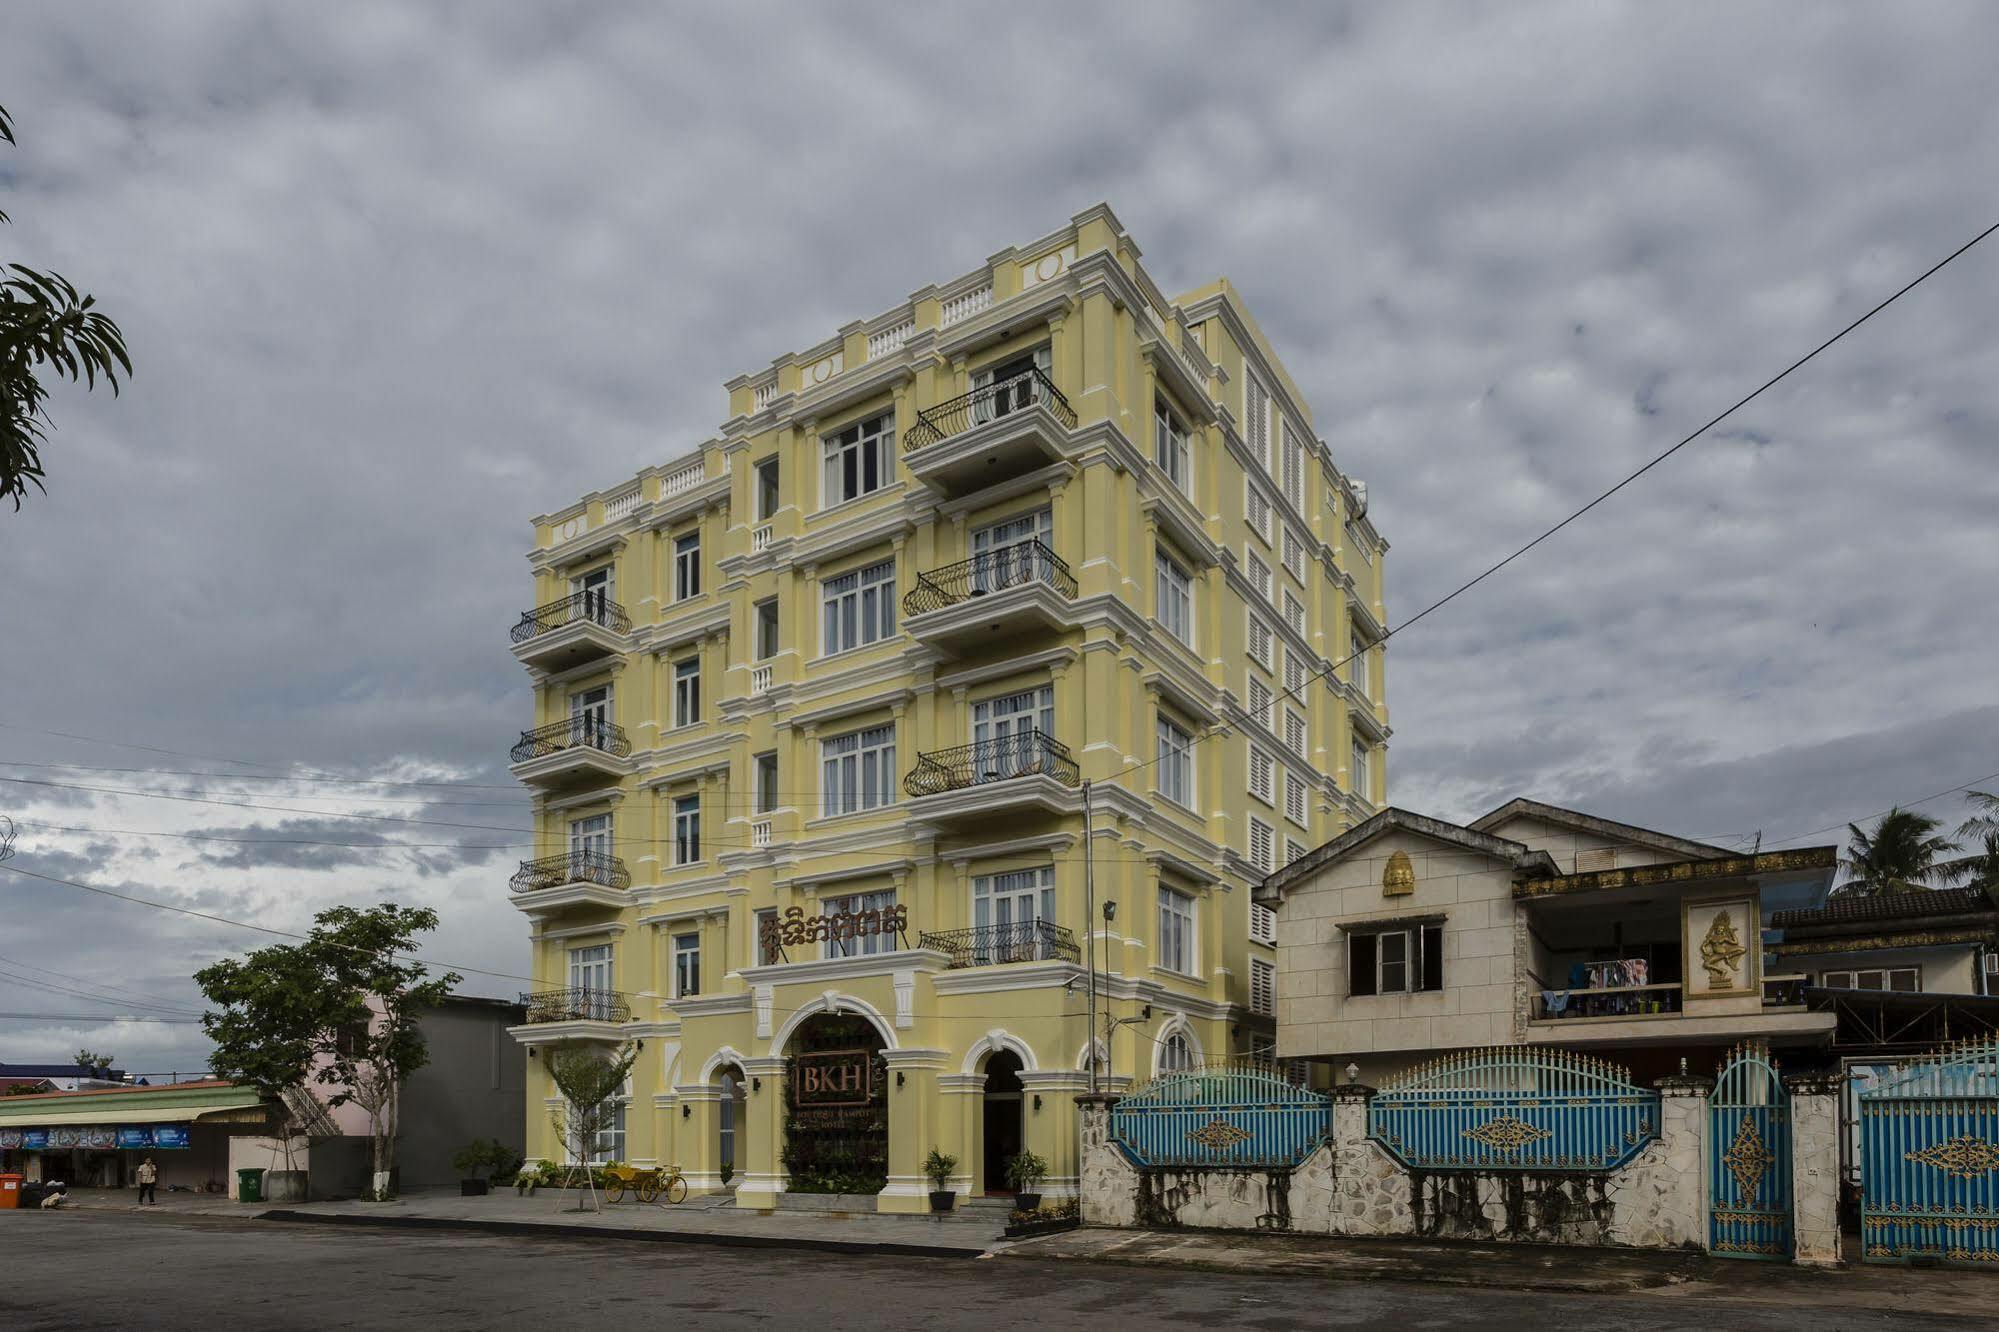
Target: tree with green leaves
[(1904, 853), (342, 1009), (591, 1081), (1980, 833), (98, 1063), (46, 326)]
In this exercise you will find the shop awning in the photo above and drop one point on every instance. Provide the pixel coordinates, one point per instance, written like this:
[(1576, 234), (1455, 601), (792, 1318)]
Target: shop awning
[(211, 1104)]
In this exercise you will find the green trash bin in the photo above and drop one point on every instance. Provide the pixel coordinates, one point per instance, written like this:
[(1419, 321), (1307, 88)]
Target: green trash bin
[(250, 1184)]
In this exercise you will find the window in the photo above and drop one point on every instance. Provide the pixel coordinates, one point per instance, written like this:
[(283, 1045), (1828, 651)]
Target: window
[(1905, 980), (1294, 798), (593, 593), (1261, 768), (687, 691), (1256, 509), (861, 945), (764, 954), (857, 460), (590, 975), (1256, 419), (1294, 674), (1169, 446), (767, 473), (1006, 554), (1176, 764), (765, 782), (1174, 593), (1359, 544), (1259, 578), (1009, 730), (1363, 778), (1259, 705), (1294, 613), (590, 717), (859, 607), (1293, 848), (1294, 555), (687, 566), (608, 1142), (766, 629), (1262, 924), (1262, 845), (1262, 987), (1402, 961), (1294, 732), (1176, 931), (1013, 913), (1260, 642), (857, 770), (687, 830), (1357, 670), (1294, 468), (686, 965), (1011, 386), (589, 838), (1175, 1054), (728, 1107)]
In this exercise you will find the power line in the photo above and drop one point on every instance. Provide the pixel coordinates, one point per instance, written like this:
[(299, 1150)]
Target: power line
[(1489, 571), (76, 992), (246, 804), (1909, 804), (98, 1017), (267, 777)]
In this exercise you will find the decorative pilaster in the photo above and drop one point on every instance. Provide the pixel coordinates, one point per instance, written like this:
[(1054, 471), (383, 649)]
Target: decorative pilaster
[(761, 1133), (914, 1127), (1815, 1166)]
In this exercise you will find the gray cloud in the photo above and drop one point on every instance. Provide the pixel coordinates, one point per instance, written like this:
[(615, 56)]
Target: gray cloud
[(398, 278)]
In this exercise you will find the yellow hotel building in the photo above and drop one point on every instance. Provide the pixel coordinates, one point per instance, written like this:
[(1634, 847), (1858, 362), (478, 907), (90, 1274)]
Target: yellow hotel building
[(815, 705)]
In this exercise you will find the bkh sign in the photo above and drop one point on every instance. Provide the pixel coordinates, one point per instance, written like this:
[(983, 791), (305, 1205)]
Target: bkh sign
[(824, 1079)]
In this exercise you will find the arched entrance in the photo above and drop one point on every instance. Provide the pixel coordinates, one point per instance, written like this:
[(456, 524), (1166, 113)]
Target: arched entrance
[(728, 1122), (836, 1106), (1005, 1118)]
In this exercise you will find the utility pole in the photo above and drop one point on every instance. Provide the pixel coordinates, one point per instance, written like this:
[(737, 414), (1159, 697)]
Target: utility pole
[(1090, 929)]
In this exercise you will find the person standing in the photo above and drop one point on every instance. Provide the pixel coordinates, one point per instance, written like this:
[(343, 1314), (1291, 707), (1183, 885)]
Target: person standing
[(149, 1177)]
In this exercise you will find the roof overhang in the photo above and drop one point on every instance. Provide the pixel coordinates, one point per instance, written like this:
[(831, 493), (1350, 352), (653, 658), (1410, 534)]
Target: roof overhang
[(1391, 820), (1520, 807), (1774, 867)]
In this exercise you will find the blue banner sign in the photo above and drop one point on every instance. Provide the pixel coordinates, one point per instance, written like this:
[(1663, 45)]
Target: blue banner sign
[(170, 1137), (135, 1139), (34, 1140)]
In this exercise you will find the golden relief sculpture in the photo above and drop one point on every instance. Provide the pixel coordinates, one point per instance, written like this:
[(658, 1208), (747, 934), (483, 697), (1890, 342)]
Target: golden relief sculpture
[(1721, 952), (1399, 879), (1218, 1135), (1966, 1157), (1747, 1158), (1506, 1134)]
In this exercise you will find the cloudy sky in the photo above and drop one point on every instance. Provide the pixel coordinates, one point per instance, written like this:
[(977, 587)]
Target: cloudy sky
[(398, 276)]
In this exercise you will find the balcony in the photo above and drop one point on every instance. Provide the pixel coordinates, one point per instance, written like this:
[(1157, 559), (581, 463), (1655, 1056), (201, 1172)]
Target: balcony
[(1608, 1001), (1019, 589), (1023, 772), (990, 435), (576, 878), (997, 945), (571, 632), (577, 749), (554, 1016)]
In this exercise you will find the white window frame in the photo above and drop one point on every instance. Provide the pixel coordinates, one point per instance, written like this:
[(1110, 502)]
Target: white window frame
[(1294, 555), (686, 965), (590, 835), (1179, 931), (1297, 734), (1173, 595), (857, 770), (1362, 772), (1176, 764), (1262, 849), (1172, 446), (1262, 642), (1259, 706), (861, 945), (593, 968), (1358, 543), (765, 650), (1294, 613), (1294, 468), (1294, 849), (1176, 1053), (1256, 418), (1849, 978), (857, 608), (687, 565), (1256, 509), (687, 830), (869, 441), (687, 692), (1262, 987), (1262, 924), (762, 797), (1295, 675), (1359, 673), (1297, 802), (1259, 576), (1262, 776)]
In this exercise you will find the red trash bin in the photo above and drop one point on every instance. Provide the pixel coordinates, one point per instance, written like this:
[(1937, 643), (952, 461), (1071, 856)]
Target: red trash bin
[(10, 1190)]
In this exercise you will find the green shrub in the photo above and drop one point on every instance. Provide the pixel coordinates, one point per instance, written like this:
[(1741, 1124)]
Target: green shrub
[(939, 1167)]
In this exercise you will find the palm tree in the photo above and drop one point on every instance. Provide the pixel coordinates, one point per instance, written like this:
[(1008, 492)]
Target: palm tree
[(1901, 855), (1980, 869)]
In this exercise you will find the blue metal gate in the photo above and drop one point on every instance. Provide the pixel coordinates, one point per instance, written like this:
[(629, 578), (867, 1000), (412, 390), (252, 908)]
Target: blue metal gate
[(1514, 1108), (1221, 1116), (1749, 1158), (1929, 1150)]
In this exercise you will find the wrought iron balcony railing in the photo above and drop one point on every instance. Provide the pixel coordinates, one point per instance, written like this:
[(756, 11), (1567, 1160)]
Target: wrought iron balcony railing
[(994, 945), (580, 732), (577, 1005), (571, 867), (989, 404), (1026, 754), (577, 608), (989, 571)]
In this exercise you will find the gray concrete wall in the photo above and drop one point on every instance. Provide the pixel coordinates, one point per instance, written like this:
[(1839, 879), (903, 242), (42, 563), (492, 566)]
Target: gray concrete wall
[(474, 1086)]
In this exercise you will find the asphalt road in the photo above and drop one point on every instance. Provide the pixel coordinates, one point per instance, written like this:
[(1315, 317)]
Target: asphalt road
[(82, 1270)]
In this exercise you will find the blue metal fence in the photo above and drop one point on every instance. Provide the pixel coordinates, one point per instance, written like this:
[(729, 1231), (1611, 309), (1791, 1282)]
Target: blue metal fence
[(1929, 1145), (1228, 1115), (1749, 1158), (1514, 1108)]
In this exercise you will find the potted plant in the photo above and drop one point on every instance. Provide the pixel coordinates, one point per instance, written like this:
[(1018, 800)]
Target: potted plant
[(1025, 1171), (939, 1167), (481, 1155)]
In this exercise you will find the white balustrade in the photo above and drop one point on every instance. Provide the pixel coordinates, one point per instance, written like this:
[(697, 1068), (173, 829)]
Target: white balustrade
[(760, 832), (963, 306), (761, 395), (759, 680), (622, 503), (889, 339), (685, 479), (760, 539)]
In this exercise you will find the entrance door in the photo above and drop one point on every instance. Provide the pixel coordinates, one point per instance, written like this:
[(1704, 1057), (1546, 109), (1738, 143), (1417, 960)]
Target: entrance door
[(1002, 1119), (1004, 729), (1009, 387), (592, 591), (1749, 1172), (590, 717)]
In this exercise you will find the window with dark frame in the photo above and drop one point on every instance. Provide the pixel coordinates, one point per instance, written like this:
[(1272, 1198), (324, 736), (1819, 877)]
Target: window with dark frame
[(767, 475), (1403, 960)]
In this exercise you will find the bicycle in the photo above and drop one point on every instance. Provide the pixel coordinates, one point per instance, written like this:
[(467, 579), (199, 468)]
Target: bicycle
[(647, 1185)]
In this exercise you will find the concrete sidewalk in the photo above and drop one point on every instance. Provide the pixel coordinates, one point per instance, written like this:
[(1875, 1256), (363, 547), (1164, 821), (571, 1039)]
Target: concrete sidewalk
[(1527, 1267)]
